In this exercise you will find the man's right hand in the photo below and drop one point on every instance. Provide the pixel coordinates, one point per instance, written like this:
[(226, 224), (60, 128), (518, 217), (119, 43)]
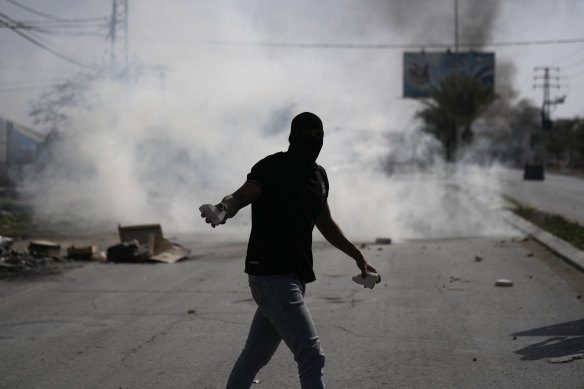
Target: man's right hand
[(212, 216)]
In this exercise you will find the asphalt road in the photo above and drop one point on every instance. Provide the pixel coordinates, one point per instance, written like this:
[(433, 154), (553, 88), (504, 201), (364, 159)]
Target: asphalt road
[(436, 321), (560, 194)]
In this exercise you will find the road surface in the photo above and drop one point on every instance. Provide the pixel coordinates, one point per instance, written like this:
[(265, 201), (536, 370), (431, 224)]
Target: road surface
[(560, 194), (437, 320)]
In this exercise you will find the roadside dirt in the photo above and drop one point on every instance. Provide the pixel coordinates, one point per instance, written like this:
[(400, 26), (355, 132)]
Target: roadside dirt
[(573, 276)]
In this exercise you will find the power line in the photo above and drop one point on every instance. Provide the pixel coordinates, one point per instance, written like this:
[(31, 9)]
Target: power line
[(371, 46), (13, 25), (58, 26), (56, 18), (62, 28)]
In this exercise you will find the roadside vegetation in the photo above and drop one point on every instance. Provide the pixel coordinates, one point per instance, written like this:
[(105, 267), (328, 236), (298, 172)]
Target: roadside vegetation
[(557, 225), (16, 219)]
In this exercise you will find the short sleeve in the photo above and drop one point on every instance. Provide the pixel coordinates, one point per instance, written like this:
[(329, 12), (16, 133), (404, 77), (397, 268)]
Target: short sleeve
[(262, 173)]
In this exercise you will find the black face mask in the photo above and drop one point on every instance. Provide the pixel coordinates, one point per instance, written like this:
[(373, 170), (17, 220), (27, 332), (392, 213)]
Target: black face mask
[(306, 150)]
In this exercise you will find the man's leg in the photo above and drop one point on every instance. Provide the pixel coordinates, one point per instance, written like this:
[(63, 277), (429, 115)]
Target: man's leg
[(281, 299), (262, 342)]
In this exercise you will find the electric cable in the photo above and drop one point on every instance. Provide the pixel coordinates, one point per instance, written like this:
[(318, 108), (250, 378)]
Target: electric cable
[(36, 41), (57, 18), (374, 46)]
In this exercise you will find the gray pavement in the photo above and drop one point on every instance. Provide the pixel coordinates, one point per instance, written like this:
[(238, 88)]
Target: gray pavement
[(436, 321), (560, 194)]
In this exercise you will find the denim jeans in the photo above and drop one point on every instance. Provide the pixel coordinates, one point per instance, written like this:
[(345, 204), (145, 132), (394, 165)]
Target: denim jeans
[(281, 315)]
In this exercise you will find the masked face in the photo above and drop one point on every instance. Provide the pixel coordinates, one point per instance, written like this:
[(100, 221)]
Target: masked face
[(306, 137), (306, 148)]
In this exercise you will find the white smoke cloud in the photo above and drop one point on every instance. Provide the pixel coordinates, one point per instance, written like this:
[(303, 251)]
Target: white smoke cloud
[(155, 151)]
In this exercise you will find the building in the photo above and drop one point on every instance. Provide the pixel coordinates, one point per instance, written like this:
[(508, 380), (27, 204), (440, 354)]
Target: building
[(18, 147)]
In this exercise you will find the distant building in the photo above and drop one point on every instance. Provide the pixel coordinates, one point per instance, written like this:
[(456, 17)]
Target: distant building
[(18, 147)]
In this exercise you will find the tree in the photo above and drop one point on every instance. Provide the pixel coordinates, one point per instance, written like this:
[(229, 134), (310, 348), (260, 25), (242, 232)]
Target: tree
[(54, 106), (453, 106), (566, 145)]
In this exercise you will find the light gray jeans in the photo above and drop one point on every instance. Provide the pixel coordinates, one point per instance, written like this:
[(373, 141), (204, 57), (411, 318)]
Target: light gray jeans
[(281, 315)]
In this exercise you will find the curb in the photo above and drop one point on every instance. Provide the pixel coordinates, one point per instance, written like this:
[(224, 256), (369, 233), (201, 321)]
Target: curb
[(566, 251)]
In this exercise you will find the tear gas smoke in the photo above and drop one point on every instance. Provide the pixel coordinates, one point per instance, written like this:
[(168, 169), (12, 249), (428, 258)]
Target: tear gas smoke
[(155, 154)]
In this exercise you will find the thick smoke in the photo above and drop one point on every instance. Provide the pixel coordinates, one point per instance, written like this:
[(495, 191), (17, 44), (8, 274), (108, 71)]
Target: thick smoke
[(156, 150)]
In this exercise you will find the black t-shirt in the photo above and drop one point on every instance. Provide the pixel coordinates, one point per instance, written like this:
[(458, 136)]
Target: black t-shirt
[(284, 216)]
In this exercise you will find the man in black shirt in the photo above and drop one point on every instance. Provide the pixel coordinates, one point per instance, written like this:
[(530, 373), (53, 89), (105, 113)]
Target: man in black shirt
[(288, 192)]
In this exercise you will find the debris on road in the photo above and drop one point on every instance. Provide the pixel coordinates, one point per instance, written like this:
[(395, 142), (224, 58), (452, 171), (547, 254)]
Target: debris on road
[(478, 258), (82, 253), (566, 358), (382, 240), (145, 242), (5, 244), (130, 251), (40, 257), (44, 248), (503, 282)]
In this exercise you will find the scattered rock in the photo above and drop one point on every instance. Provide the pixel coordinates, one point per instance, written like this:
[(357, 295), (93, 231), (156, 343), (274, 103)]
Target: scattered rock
[(503, 282), (478, 258)]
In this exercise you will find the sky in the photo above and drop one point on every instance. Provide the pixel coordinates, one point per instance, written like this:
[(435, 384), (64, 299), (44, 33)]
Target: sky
[(222, 79), (171, 35)]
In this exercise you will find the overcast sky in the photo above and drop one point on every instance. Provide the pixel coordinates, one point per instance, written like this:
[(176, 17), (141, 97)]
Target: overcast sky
[(172, 34)]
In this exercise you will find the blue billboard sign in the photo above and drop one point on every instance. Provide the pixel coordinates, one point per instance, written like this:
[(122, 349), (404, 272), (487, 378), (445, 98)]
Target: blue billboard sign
[(424, 71)]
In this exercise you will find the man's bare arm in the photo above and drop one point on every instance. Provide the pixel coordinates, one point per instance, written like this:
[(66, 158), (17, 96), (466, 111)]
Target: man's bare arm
[(247, 194), (334, 235), (231, 204)]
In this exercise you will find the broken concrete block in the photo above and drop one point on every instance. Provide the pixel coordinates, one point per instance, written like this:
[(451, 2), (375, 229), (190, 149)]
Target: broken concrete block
[(503, 282)]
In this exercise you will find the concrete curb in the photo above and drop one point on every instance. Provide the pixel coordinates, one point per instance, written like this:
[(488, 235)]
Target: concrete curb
[(566, 251)]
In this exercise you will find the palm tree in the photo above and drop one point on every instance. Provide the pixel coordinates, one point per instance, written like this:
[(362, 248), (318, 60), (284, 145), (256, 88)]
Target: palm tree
[(454, 104)]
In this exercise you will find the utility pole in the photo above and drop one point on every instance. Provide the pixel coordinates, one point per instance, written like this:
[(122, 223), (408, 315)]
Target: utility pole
[(534, 167), (548, 82), (456, 43), (118, 36)]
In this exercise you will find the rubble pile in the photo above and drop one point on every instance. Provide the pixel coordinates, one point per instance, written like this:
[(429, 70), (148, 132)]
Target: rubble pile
[(36, 257), (141, 243)]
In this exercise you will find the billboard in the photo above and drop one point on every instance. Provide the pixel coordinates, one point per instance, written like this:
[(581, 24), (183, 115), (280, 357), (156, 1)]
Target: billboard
[(423, 71)]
